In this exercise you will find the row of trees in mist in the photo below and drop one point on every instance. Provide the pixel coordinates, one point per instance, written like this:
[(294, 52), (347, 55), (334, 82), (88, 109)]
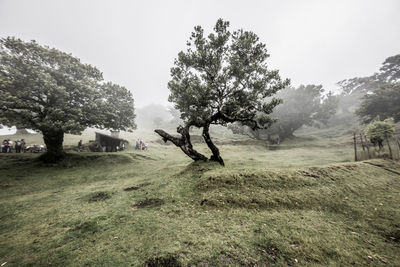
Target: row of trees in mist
[(377, 95), (364, 99), (305, 105)]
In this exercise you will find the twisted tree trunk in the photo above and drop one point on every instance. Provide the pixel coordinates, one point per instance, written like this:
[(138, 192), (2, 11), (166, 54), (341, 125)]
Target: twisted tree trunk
[(186, 146), (183, 142), (215, 156)]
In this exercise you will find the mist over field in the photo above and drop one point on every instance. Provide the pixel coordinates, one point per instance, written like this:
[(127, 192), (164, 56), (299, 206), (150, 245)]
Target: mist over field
[(199, 133)]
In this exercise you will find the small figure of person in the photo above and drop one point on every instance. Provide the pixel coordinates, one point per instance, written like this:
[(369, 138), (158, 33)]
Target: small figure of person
[(143, 146), (80, 146), (278, 140), (10, 145), (23, 145), (17, 146), (5, 145), (137, 147)]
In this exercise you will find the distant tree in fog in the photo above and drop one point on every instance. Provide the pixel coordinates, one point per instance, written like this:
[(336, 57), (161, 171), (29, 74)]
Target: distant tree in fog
[(383, 103), (222, 78), (305, 105), (157, 121), (388, 73), (150, 116), (176, 115), (354, 89), (50, 91)]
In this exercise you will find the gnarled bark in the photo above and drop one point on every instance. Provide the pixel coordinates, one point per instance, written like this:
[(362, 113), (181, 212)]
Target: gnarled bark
[(186, 146), (215, 156), (183, 142), (53, 140)]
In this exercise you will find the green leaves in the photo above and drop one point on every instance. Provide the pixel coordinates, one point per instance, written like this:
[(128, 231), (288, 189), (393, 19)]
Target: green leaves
[(379, 130), (223, 78), (383, 102), (45, 89)]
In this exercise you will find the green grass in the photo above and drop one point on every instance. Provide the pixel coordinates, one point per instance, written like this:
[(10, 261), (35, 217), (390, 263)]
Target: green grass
[(292, 205)]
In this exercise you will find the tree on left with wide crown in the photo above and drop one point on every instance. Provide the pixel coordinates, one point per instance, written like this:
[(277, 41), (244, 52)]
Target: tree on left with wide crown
[(51, 91)]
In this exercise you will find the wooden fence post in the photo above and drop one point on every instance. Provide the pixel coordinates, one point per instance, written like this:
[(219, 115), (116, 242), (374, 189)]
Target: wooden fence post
[(355, 147), (398, 146), (367, 145), (362, 143), (390, 149)]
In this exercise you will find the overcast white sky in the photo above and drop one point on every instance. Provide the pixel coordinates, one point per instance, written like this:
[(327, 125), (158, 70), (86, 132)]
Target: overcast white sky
[(134, 43)]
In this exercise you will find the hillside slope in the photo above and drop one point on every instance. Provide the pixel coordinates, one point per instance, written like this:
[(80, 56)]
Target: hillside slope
[(131, 209)]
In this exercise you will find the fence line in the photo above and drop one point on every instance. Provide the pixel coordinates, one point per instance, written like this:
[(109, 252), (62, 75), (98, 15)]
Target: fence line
[(369, 149)]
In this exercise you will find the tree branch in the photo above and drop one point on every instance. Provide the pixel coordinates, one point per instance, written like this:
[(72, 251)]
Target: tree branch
[(183, 143)]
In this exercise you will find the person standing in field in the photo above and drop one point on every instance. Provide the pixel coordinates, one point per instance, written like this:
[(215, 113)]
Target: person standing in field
[(10, 145), (80, 146), (23, 145), (5, 145), (137, 147), (17, 146)]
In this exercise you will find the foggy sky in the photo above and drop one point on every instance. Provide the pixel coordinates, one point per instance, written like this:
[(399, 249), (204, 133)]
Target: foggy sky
[(134, 43)]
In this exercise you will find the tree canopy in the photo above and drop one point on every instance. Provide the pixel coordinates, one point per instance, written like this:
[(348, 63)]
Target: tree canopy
[(221, 78), (389, 72), (383, 102), (377, 131), (51, 91), (361, 92)]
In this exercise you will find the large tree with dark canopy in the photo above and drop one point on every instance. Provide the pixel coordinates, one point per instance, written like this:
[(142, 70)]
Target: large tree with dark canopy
[(383, 103), (221, 78), (354, 89), (51, 91)]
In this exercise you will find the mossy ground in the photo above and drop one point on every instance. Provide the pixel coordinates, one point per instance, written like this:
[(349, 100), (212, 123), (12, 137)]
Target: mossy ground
[(292, 206)]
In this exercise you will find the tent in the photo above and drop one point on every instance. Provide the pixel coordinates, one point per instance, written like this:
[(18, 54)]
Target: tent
[(109, 143)]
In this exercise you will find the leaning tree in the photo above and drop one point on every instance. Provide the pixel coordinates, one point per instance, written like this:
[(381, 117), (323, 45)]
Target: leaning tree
[(221, 78), (50, 91)]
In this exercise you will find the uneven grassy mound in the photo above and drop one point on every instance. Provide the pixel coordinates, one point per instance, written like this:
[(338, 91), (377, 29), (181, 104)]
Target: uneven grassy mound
[(130, 209)]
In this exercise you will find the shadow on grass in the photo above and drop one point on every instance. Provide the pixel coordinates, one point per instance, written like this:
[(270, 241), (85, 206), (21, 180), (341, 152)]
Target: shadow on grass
[(167, 260)]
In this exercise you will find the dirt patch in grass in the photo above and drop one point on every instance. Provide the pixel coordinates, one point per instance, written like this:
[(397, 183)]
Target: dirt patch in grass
[(151, 202), (270, 252), (168, 260), (133, 188), (98, 196), (393, 236)]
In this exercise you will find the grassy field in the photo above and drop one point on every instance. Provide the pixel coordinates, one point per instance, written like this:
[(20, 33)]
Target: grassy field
[(303, 203)]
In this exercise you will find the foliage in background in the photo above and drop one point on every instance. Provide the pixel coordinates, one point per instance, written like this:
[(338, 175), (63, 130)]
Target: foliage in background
[(149, 116), (304, 105), (355, 89), (383, 102), (388, 73), (377, 131), (51, 91), (222, 78)]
